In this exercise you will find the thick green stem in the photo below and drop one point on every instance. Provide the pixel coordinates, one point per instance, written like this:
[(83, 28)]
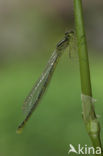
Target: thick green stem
[(89, 115)]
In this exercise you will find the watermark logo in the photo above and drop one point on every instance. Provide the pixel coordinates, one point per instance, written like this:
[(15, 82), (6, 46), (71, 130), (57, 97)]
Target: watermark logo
[(84, 150)]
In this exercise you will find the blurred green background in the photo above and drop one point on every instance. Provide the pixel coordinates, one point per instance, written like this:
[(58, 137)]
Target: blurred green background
[(28, 35)]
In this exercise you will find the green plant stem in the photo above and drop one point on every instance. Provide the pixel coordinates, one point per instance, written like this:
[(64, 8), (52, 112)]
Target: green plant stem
[(89, 115)]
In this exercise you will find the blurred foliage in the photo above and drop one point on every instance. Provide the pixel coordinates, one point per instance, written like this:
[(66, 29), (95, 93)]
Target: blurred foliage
[(28, 37), (57, 121)]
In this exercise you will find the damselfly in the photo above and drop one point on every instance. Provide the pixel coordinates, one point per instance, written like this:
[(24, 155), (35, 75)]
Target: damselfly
[(39, 88)]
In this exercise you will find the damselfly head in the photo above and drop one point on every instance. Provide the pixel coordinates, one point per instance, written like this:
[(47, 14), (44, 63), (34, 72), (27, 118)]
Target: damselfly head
[(69, 34), (65, 42)]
